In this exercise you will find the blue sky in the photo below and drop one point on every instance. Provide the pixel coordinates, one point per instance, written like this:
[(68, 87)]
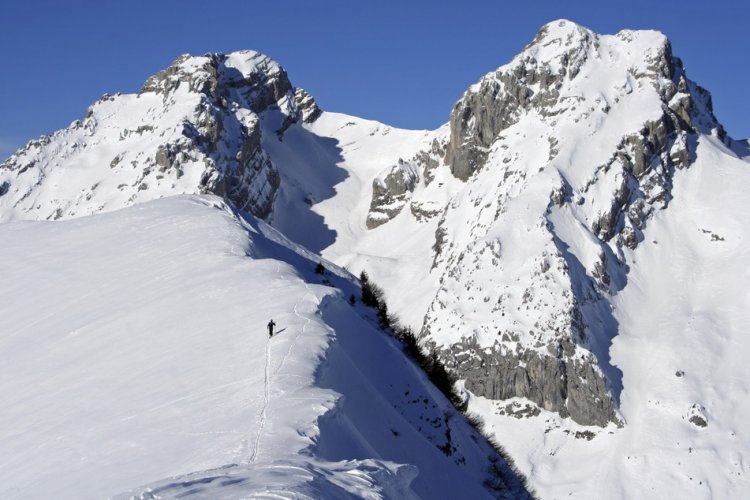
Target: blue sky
[(404, 63)]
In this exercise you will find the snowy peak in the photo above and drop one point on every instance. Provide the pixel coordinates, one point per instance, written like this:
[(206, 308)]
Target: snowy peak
[(570, 76), (193, 128), (562, 45), (563, 157), (256, 79), (565, 46)]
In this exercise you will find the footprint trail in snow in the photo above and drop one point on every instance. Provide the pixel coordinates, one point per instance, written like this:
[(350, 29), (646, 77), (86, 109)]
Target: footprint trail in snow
[(265, 404)]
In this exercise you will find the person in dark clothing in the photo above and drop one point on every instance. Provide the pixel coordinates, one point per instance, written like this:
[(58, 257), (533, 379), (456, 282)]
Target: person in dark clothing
[(271, 324)]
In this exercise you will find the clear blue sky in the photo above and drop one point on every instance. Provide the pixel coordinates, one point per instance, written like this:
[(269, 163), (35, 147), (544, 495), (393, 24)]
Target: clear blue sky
[(404, 62)]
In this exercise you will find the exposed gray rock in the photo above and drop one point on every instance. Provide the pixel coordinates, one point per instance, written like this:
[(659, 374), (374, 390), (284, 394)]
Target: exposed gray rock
[(390, 192), (696, 415), (440, 242), (698, 421), (306, 105), (164, 157), (423, 211), (429, 160), (500, 99), (560, 383), (517, 410)]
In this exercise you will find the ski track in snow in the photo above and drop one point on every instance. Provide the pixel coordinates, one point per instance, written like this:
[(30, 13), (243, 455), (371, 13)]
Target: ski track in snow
[(299, 332), (265, 404), (256, 444)]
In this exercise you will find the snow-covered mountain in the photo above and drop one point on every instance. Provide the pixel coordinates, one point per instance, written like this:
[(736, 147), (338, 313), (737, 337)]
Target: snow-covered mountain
[(558, 242), (570, 243), (192, 128)]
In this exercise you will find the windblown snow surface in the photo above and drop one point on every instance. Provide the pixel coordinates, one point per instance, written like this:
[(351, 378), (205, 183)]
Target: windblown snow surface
[(136, 353)]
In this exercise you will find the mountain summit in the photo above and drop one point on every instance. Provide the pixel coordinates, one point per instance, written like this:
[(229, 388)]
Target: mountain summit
[(575, 143), (193, 128)]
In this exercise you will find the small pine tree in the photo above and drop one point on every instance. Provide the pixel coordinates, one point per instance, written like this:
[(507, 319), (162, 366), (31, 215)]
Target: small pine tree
[(352, 299), (383, 315), (320, 269), (372, 294)]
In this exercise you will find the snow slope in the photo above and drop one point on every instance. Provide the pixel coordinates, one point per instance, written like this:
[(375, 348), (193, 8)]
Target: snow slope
[(136, 352), (347, 153)]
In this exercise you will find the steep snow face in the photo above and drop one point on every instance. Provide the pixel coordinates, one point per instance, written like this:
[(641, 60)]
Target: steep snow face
[(193, 128), (568, 152), (136, 352)]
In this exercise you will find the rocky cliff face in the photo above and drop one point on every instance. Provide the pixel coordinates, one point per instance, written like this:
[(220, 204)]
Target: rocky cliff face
[(566, 152), (193, 128), (391, 191)]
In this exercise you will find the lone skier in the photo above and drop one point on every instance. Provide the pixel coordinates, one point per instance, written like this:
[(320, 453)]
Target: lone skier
[(271, 324)]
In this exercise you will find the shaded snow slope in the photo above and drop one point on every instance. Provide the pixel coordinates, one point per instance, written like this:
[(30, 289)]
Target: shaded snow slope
[(136, 350), (348, 154)]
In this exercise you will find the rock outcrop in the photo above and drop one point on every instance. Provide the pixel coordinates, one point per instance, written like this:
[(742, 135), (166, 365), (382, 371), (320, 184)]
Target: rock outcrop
[(559, 383), (391, 191)]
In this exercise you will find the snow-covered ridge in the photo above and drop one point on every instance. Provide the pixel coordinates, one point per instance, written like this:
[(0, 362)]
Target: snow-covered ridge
[(140, 355)]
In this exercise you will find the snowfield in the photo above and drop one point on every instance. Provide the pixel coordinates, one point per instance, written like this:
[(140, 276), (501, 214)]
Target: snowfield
[(138, 353)]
